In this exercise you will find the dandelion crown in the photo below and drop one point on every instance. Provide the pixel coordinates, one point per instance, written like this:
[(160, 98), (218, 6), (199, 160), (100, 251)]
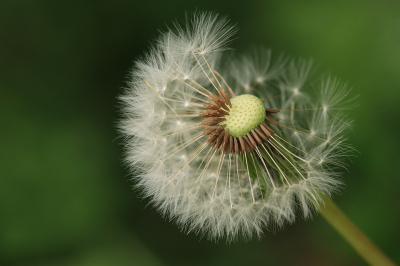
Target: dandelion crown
[(226, 146)]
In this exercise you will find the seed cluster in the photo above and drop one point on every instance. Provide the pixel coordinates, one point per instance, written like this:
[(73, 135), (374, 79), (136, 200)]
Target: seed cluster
[(238, 124)]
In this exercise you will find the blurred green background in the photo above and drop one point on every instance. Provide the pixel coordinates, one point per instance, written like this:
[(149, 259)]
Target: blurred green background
[(65, 199)]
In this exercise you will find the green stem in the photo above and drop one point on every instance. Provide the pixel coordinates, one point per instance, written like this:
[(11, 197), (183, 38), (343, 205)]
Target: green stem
[(349, 231)]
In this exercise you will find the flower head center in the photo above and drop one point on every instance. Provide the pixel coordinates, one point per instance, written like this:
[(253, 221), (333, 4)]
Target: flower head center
[(247, 113)]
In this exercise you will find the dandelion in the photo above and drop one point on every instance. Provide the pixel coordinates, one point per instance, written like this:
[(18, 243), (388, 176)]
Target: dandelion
[(226, 146)]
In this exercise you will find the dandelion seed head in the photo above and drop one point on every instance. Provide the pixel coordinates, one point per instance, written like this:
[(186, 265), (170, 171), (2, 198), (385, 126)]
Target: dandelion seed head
[(227, 147)]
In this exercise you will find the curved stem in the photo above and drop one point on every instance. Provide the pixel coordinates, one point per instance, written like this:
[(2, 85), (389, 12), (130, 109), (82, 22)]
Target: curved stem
[(356, 238)]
